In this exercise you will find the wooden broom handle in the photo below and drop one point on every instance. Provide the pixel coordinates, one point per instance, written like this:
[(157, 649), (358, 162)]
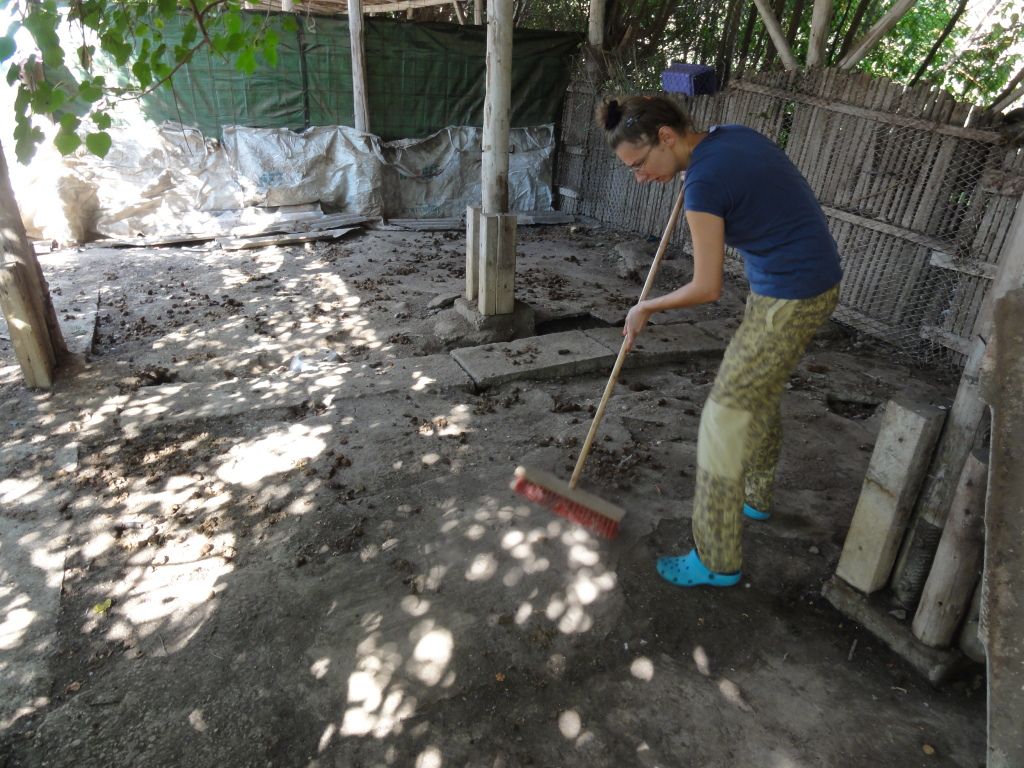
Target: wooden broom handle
[(648, 284)]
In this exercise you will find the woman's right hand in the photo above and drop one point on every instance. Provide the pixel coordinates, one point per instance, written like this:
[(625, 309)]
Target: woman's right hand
[(636, 320)]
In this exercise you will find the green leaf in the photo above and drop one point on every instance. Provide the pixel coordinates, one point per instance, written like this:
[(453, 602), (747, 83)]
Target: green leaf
[(234, 22), (167, 7), (246, 61), (142, 73), (13, 73), (103, 607), (90, 91), (189, 35), (7, 47), (98, 143), (67, 142), (69, 122), (102, 120)]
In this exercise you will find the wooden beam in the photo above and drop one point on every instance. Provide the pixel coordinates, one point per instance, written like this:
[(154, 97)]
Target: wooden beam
[(595, 30), (472, 253), (360, 107), (820, 20), (497, 262), (777, 35), (478, 12), (879, 30), (402, 5)]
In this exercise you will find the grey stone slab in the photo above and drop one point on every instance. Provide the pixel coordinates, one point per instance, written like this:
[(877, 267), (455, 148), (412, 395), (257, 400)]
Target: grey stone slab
[(32, 554), (660, 344), (539, 357), (77, 318), (183, 402)]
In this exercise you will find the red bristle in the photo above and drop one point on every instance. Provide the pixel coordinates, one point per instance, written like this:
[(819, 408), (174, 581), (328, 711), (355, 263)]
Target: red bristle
[(571, 510)]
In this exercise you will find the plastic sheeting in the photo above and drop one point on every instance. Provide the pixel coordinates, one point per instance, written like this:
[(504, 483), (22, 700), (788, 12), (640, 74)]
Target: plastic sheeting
[(170, 181)]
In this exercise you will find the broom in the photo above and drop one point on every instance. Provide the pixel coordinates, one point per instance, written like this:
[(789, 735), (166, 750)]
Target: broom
[(565, 499)]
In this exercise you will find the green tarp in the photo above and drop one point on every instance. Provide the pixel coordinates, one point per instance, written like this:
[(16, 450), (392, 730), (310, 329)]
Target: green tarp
[(420, 78)]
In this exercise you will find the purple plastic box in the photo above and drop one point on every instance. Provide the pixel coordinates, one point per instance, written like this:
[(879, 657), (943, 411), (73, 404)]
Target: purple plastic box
[(689, 79)]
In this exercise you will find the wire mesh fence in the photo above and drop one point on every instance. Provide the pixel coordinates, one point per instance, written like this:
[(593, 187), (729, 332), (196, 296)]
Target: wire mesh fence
[(919, 205)]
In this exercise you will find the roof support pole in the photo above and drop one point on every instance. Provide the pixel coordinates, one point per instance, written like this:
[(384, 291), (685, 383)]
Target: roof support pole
[(360, 108)]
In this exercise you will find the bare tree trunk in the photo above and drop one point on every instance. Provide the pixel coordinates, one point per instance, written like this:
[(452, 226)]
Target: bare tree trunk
[(777, 9), (854, 31), (794, 22), (725, 53), (748, 34), (878, 30), (961, 7)]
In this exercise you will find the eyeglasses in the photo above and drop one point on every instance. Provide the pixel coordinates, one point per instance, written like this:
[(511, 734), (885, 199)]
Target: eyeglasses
[(639, 166)]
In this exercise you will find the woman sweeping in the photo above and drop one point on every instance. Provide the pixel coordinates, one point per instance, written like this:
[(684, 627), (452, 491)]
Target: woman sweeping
[(742, 191)]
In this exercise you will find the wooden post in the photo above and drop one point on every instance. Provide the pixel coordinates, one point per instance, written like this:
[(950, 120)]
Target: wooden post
[(478, 12), (957, 440), (473, 251), (1002, 609), (820, 19), (595, 31), (880, 29), (777, 35), (957, 565), (24, 296), (497, 230), (360, 107), (497, 263), (288, 6)]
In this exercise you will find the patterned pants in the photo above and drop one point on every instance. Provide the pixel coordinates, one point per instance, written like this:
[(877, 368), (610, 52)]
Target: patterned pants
[(740, 427)]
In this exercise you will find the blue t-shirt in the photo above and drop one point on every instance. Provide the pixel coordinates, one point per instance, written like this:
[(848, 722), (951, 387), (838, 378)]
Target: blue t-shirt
[(771, 215)]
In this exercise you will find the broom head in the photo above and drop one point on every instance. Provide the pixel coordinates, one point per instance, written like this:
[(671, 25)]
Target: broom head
[(580, 507)]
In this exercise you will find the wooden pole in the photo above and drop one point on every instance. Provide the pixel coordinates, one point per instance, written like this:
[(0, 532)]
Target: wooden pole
[(820, 19), (288, 6), (880, 29), (957, 566), (497, 231), (777, 35), (360, 107), (957, 440), (458, 12), (497, 104), (595, 31), (478, 12)]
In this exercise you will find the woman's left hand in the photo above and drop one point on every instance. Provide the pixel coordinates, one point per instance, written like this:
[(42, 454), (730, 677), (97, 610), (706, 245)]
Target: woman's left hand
[(636, 320)]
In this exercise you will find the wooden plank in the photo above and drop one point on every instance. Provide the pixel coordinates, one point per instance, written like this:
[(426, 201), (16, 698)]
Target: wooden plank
[(975, 267), (505, 300), (473, 253), (988, 137), (293, 238)]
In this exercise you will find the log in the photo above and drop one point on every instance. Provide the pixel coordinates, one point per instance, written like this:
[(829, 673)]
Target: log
[(595, 30), (957, 566)]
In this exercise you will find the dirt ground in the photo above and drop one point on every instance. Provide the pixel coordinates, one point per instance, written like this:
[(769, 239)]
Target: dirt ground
[(346, 580)]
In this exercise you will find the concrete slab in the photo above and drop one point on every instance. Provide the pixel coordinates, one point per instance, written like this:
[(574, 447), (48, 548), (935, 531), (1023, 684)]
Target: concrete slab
[(540, 357), (183, 402), (77, 316), (31, 572), (660, 344)]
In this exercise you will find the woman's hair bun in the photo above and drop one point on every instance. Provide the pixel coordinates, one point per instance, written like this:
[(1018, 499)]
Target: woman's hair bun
[(613, 115)]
